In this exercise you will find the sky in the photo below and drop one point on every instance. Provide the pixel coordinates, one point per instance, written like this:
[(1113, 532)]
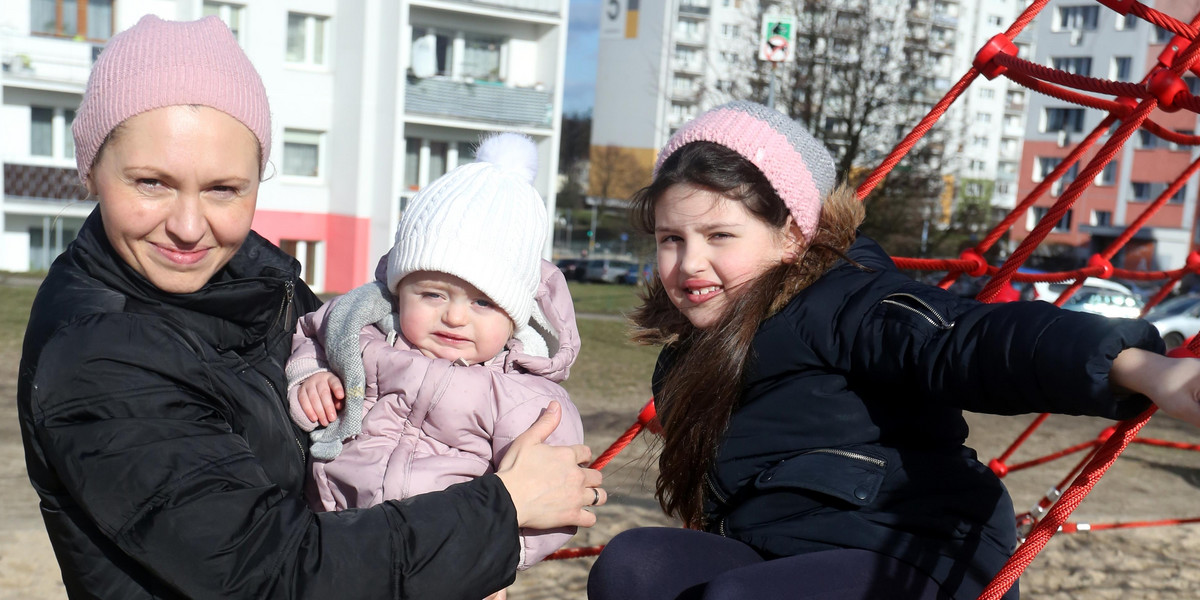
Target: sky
[(582, 39)]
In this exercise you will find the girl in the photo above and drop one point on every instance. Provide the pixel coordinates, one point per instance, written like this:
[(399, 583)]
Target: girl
[(458, 346), (811, 394)]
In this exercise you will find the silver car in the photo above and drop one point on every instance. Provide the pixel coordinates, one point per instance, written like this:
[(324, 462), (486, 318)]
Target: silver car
[(1177, 319)]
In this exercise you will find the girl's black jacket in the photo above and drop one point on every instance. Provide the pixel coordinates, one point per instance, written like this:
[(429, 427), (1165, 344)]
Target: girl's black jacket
[(851, 433), (156, 435)]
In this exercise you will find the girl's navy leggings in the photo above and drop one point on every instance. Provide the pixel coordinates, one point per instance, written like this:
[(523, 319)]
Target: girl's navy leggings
[(659, 563)]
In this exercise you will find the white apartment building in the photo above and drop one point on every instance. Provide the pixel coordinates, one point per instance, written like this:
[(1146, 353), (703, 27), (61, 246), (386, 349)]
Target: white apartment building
[(664, 63), (370, 99)]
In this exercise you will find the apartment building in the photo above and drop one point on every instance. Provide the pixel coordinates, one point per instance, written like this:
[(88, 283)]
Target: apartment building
[(370, 101), (666, 62), (1089, 39)]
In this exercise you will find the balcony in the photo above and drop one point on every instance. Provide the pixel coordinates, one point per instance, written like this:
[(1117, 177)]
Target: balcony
[(47, 63), (552, 7), (695, 11), (37, 182), (479, 101)]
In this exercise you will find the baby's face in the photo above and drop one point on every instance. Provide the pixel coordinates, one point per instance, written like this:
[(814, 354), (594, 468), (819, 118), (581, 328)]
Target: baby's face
[(446, 317)]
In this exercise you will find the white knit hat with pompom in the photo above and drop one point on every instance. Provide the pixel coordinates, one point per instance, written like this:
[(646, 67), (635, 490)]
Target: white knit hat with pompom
[(484, 223)]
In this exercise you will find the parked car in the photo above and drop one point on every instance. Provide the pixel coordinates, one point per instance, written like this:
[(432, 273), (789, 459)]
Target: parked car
[(572, 268), (1050, 292), (1176, 319), (632, 277), (607, 270), (1107, 302)]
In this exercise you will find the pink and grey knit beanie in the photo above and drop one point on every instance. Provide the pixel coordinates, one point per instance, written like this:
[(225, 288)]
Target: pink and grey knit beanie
[(798, 166), (159, 63)]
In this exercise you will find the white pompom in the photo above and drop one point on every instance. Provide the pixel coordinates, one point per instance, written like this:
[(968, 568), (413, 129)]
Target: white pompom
[(512, 152)]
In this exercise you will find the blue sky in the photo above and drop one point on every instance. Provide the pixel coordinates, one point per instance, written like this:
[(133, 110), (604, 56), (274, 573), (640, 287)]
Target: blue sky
[(580, 77)]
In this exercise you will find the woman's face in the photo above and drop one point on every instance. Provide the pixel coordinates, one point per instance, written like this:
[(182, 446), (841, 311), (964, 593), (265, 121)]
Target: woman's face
[(177, 188), (708, 246)]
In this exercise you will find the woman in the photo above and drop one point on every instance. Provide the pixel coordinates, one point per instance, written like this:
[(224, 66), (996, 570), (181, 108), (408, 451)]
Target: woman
[(151, 379)]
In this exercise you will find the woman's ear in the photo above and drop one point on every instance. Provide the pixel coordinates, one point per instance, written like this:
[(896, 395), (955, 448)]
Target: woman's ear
[(793, 246)]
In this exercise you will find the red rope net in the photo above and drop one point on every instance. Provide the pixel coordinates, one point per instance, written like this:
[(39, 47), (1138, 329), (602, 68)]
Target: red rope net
[(1130, 108)]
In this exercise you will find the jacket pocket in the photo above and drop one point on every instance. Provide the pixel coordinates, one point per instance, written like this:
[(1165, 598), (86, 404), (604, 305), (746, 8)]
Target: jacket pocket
[(853, 476)]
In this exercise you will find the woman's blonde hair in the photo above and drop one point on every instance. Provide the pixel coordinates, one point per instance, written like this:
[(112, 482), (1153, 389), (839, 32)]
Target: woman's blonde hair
[(703, 383)]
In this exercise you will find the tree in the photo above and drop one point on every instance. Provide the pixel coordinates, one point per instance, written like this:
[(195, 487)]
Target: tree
[(859, 81)]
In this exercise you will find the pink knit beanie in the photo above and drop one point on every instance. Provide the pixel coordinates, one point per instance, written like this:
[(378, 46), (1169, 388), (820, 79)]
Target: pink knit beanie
[(159, 63), (798, 166)]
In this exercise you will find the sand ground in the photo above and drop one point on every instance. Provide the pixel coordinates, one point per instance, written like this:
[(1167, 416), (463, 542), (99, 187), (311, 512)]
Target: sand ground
[(1147, 483)]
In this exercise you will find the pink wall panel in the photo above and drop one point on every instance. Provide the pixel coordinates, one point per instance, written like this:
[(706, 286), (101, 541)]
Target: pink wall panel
[(345, 237)]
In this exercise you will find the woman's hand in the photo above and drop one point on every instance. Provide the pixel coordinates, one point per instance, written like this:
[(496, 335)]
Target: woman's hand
[(1171, 383), (547, 484)]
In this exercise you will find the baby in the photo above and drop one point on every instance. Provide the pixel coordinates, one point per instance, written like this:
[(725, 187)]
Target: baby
[(423, 378)]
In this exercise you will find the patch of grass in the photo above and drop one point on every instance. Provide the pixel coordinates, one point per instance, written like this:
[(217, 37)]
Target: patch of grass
[(609, 365), (603, 298), (15, 301)]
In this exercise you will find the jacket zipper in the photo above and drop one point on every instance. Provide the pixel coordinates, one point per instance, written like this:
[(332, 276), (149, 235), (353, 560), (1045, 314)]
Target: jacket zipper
[(879, 462), (285, 308), (287, 419), (721, 499), (940, 322)]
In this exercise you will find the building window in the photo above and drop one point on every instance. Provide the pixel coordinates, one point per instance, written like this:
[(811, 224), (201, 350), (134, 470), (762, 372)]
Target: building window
[(1179, 196), (995, 20), (1078, 18), (729, 31), (1120, 68), (1102, 218), (302, 152), (987, 93), (306, 39), (50, 132), (482, 57), (1063, 119), (425, 160), (983, 117), (308, 253), (231, 14), (1037, 213), (1108, 175), (1162, 36), (1146, 140), (1127, 22), (77, 19), (1076, 65)]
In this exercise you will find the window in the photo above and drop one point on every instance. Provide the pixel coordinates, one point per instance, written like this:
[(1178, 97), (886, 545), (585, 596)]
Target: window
[(1193, 84), (1120, 68), (1102, 218), (729, 31), (687, 29), (482, 56), (50, 132), (1162, 36), (309, 254), (979, 141), (306, 39), (983, 117), (987, 93), (1046, 164), (976, 165), (1179, 196), (1077, 18), (302, 152), (1146, 140), (1176, 147), (76, 19), (427, 159), (1063, 119), (995, 20), (1075, 65), (1127, 22), (1037, 213), (1108, 175), (231, 14)]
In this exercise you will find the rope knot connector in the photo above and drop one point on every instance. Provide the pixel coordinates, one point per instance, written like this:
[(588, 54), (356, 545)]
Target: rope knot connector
[(1193, 262), (985, 59), (1106, 268), (649, 418), (1165, 85), (978, 266)]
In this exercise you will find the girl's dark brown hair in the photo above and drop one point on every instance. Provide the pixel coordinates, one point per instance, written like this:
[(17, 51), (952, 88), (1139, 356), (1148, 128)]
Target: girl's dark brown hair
[(704, 383)]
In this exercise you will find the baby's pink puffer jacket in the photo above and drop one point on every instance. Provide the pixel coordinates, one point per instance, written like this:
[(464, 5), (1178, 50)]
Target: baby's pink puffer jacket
[(429, 423)]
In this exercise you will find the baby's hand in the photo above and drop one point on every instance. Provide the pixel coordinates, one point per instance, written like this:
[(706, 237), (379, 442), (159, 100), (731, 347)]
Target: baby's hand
[(500, 595), (320, 397)]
